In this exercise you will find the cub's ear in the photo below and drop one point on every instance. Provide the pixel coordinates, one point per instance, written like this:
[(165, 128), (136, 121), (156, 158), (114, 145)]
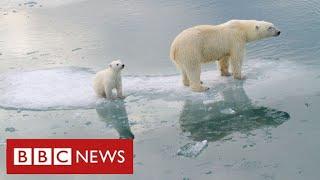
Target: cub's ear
[(257, 27), (110, 65)]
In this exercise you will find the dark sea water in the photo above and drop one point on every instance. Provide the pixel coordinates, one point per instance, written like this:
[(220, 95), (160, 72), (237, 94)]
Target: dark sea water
[(265, 127)]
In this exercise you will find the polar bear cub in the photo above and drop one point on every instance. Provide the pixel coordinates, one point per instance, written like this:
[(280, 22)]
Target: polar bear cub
[(107, 80)]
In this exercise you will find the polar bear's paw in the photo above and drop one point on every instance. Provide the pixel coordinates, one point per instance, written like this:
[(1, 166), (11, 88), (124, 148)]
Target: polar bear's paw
[(186, 83), (199, 89), (225, 74), (121, 97), (240, 77)]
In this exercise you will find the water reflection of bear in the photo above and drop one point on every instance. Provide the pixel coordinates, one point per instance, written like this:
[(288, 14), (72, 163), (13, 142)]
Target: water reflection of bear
[(235, 113), (114, 113)]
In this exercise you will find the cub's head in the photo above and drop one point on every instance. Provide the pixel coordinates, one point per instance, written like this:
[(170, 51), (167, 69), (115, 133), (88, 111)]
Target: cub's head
[(260, 30), (116, 65)]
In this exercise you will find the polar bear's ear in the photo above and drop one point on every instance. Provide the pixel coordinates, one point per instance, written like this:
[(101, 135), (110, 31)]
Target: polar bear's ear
[(257, 27), (110, 65)]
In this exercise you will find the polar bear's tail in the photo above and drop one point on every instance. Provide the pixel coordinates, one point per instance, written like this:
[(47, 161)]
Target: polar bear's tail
[(173, 51)]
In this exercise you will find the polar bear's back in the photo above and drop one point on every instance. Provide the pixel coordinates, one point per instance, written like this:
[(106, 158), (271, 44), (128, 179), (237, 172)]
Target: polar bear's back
[(186, 41), (203, 42)]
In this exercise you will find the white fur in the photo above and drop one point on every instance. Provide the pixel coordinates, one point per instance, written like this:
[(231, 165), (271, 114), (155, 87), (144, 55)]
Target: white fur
[(225, 42), (109, 79)]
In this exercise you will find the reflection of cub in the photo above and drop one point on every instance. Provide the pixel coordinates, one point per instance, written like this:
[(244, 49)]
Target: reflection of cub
[(235, 113), (109, 79), (115, 114)]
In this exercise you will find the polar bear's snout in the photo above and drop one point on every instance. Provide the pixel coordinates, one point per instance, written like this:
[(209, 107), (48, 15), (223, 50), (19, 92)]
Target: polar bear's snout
[(275, 31), (270, 29)]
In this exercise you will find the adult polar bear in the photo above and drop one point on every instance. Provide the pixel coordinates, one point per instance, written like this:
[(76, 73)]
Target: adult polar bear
[(225, 42)]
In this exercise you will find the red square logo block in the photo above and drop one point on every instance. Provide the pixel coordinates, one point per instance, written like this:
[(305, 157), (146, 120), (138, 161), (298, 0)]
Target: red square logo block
[(69, 156)]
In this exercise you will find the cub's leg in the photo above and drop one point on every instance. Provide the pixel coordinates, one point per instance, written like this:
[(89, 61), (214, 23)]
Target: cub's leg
[(119, 90), (193, 72), (224, 66), (108, 92)]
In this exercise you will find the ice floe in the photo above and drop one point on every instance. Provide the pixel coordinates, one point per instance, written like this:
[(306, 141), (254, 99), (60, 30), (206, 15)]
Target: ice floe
[(192, 149), (71, 87), (59, 88)]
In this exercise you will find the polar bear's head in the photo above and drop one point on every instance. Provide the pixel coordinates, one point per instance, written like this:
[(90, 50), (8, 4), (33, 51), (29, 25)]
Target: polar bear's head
[(257, 30), (116, 65)]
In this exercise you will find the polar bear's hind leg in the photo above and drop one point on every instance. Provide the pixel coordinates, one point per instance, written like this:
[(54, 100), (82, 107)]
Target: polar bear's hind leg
[(108, 93), (224, 66), (185, 79), (193, 74)]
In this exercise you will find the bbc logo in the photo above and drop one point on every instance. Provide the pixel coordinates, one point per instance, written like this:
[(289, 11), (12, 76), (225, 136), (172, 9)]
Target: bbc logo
[(69, 156), (42, 156)]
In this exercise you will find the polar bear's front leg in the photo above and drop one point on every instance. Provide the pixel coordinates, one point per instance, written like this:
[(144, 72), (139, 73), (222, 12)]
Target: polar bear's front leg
[(236, 68), (193, 72), (119, 89), (236, 59)]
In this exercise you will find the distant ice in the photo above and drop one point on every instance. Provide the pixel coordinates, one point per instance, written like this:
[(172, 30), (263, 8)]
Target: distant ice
[(34, 3), (192, 149), (55, 3)]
